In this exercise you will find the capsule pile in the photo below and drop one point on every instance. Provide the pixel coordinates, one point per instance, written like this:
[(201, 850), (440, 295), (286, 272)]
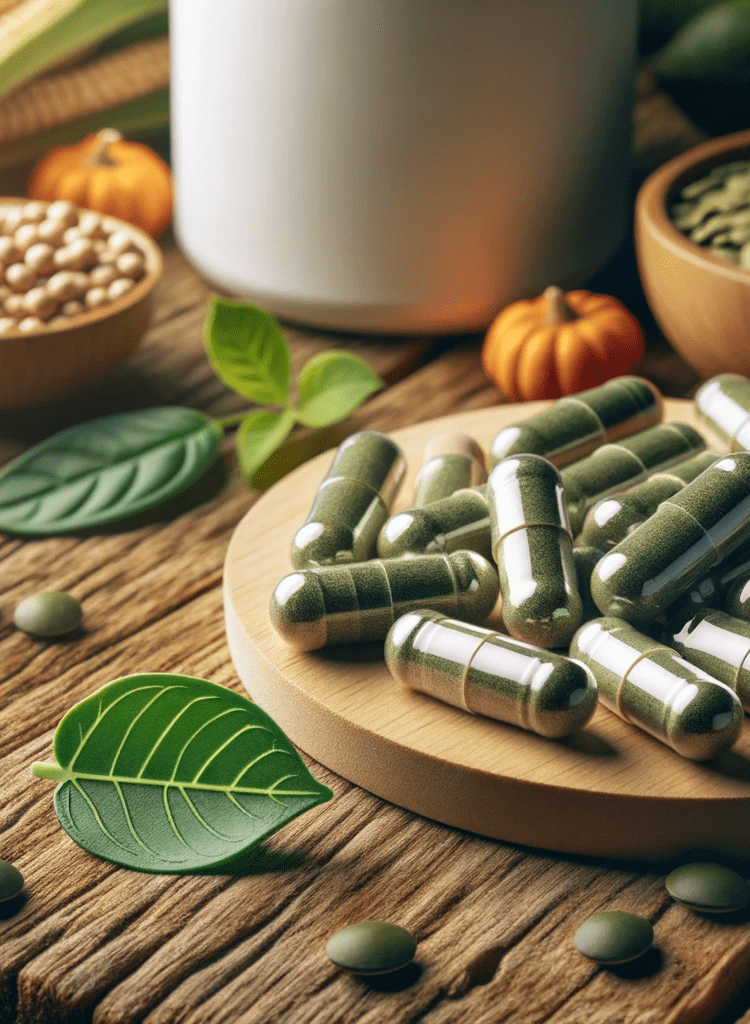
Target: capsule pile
[(624, 577)]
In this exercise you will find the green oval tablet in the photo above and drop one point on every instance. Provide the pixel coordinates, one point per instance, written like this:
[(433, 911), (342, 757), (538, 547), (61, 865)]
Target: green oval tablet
[(614, 937), (50, 613), (371, 947), (11, 881), (710, 887)]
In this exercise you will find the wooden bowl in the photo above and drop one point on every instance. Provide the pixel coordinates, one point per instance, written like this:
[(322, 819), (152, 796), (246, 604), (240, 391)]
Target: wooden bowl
[(35, 368), (701, 302)]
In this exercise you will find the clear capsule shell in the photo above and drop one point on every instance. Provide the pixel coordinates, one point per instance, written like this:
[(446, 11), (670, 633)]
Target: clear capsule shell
[(488, 673), (451, 463)]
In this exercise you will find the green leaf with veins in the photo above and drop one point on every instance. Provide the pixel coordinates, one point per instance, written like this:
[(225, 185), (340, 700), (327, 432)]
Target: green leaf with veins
[(169, 773), (248, 351), (258, 437), (332, 385), (106, 469)]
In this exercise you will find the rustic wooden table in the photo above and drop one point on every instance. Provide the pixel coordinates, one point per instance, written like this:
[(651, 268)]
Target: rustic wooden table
[(96, 943)]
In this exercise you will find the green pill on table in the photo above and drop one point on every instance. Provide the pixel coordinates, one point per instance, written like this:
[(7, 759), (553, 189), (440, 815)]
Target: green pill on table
[(451, 462), (487, 673), (348, 604), (712, 888), (533, 548), (720, 645), (352, 502), (573, 426), (724, 403), (650, 686), (619, 465), (690, 533), (614, 937), (371, 947), (11, 881), (49, 614), (459, 522)]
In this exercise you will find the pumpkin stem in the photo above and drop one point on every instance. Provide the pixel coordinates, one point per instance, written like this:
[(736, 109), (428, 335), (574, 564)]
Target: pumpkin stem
[(559, 310), (99, 155)]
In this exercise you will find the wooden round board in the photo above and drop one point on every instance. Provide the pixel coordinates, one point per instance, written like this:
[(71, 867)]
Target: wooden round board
[(610, 790)]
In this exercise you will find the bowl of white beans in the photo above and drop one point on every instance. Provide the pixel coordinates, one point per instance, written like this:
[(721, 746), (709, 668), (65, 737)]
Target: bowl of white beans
[(76, 292)]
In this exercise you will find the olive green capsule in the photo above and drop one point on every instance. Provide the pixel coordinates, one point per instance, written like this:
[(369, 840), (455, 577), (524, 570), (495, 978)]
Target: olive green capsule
[(349, 604), (533, 548), (724, 403), (737, 598), (720, 645), (722, 587), (458, 522), (490, 674), (651, 686), (613, 518), (451, 462), (577, 424), (585, 558), (613, 467), (639, 578), (352, 502)]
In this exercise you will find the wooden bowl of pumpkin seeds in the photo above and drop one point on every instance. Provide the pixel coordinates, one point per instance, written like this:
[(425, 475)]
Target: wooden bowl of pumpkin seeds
[(692, 239)]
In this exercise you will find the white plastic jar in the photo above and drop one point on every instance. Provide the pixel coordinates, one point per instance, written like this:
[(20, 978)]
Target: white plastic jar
[(400, 165)]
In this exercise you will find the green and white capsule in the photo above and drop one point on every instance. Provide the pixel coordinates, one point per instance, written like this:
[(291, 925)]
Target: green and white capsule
[(451, 463), (577, 424), (690, 533), (613, 518), (490, 674), (585, 559), (349, 604), (722, 587), (724, 403), (736, 599), (533, 548), (458, 522), (652, 687), (720, 645), (614, 467), (352, 502)]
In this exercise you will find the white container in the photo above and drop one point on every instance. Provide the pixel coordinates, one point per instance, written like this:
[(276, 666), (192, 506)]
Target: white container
[(400, 165)]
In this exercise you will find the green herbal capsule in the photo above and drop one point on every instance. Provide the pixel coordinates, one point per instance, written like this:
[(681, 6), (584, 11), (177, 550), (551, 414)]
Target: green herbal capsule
[(737, 598), (349, 604), (722, 587), (451, 463), (352, 502), (490, 674), (685, 538), (459, 522), (575, 425), (613, 518), (651, 686), (720, 645), (724, 403), (533, 548), (613, 467)]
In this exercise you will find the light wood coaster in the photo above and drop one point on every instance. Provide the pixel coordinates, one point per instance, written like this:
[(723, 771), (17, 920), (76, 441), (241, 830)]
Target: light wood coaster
[(611, 790)]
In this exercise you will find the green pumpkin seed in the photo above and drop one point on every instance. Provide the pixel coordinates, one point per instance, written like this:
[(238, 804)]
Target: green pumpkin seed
[(50, 613), (371, 947), (614, 937), (11, 881), (708, 887)]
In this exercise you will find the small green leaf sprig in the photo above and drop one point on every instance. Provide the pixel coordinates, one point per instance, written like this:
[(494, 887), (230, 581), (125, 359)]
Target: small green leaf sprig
[(247, 350)]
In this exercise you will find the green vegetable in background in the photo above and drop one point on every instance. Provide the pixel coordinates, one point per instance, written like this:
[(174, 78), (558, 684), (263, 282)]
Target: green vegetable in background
[(660, 19), (173, 774), (247, 350), (713, 45)]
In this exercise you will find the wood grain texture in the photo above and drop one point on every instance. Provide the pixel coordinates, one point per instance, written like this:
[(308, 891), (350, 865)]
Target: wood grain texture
[(96, 944)]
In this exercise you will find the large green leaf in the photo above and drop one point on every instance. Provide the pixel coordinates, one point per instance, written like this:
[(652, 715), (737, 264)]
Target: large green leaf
[(106, 470), (247, 349), (168, 773), (333, 384)]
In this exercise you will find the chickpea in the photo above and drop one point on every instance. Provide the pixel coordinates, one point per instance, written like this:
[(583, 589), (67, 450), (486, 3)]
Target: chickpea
[(39, 303), (14, 306), (64, 211), (90, 225), (7, 323), (103, 274), (71, 234), (26, 235), (120, 242), (63, 285), (20, 277), (40, 257), (130, 264), (9, 251), (96, 297), (119, 287), (52, 231), (30, 324), (34, 212), (73, 308)]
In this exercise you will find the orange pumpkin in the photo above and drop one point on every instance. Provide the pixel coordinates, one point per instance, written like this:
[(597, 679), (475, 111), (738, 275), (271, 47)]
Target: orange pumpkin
[(106, 173), (558, 344)]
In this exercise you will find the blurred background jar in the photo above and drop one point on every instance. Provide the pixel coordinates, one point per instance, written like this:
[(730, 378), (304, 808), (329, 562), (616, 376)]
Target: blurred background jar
[(400, 165)]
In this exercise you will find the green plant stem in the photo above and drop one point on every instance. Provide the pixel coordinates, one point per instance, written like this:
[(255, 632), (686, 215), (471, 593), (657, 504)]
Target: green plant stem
[(231, 421)]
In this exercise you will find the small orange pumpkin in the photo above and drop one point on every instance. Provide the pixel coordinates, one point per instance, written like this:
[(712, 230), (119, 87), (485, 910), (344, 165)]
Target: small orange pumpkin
[(558, 344), (106, 173)]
